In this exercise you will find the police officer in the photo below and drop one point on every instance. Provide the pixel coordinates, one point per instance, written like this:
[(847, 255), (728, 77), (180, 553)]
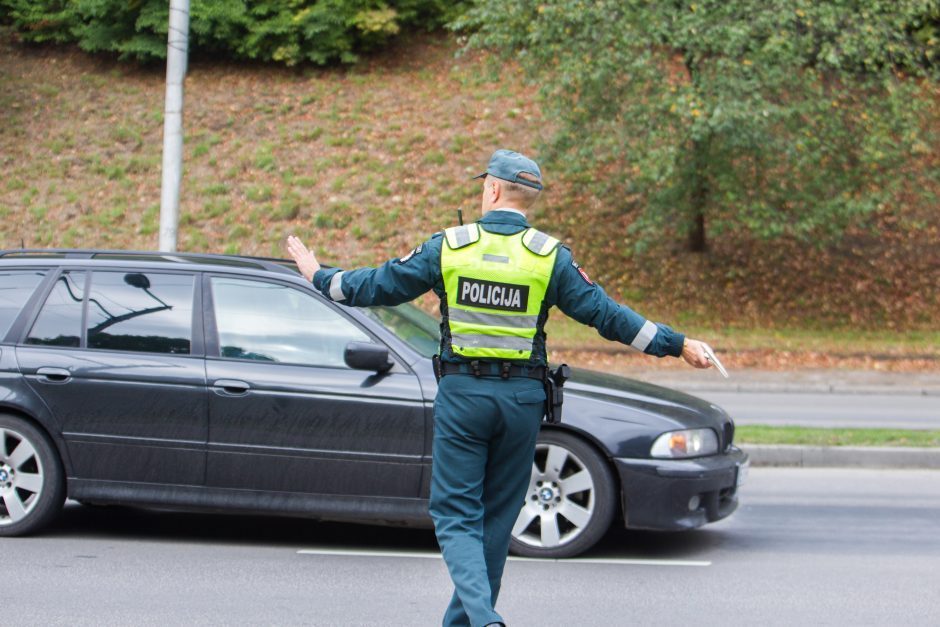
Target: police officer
[(497, 279)]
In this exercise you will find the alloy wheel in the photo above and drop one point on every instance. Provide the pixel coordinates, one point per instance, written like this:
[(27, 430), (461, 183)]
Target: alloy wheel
[(21, 477), (560, 501)]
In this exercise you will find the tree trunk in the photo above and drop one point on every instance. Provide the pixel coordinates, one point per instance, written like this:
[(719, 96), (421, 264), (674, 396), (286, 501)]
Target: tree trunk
[(698, 185), (698, 197), (697, 242)]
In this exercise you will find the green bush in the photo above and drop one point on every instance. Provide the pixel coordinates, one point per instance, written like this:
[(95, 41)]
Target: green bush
[(283, 31)]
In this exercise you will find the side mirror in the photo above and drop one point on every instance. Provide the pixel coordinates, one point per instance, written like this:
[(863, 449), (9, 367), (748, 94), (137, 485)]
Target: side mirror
[(367, 356), (138, 280)]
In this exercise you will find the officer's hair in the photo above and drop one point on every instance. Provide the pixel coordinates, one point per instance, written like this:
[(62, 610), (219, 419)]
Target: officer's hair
[(522, 195)]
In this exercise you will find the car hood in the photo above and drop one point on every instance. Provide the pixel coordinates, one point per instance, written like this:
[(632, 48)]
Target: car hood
[(671, 408)]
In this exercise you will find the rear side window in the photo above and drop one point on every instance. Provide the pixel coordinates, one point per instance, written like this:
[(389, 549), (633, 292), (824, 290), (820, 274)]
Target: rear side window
[(137, 311), (128, 311), (15, 290), (60, 320)]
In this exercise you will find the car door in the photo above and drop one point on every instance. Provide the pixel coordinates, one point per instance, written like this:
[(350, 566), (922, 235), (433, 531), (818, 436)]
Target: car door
[(287, 414), (114, 356)]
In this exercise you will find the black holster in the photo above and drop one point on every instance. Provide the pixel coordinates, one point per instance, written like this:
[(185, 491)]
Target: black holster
[(555, 393)]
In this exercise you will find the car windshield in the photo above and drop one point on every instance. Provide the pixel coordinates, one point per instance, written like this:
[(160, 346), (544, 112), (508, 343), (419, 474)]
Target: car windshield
[(416, 328)]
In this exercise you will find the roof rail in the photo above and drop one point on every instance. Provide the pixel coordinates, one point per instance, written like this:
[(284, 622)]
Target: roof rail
[(272, 264)]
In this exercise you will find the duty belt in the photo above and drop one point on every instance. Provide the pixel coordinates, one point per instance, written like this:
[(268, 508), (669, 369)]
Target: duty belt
[(481, 368)]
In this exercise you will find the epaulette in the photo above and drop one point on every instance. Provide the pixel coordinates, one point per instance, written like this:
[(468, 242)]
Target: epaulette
[(460, 236), (539, 243)]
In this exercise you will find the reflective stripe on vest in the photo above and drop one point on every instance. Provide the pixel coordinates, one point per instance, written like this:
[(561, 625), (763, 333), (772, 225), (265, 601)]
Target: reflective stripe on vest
[(495, 286), (464, 235), (493, 320), (491, 343)]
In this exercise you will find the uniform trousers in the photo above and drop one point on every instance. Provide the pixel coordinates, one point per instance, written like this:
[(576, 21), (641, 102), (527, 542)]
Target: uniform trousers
[(484, 444)]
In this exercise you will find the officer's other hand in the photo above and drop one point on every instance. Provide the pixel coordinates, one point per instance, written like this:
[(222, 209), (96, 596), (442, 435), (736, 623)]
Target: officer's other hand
[(693, 353), (306, 261)]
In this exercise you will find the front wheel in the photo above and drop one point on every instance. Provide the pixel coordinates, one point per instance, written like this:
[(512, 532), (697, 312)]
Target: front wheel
[(570, 502), (32, 485)]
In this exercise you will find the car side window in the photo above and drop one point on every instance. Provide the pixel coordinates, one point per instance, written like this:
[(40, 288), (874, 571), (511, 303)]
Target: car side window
[(60, 320), (15, 289), (272, 322), (140, 311)]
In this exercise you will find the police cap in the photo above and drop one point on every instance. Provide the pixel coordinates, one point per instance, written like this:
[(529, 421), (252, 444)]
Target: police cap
[(508, 165)]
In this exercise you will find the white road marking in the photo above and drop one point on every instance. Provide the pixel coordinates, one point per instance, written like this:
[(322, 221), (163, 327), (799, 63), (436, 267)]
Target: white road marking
[(572, 560), (433, 556), (614, 560)]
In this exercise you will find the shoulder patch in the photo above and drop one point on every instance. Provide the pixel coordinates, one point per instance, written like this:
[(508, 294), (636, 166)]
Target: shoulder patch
[(414, 251), (584, 275)]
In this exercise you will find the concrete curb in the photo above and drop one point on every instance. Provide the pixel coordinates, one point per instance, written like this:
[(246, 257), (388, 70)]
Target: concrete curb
[(835, 382), (843, 456), (832, 388)]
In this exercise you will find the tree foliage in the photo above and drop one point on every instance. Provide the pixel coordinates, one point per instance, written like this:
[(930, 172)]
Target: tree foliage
[(283, 31), (775, 117)]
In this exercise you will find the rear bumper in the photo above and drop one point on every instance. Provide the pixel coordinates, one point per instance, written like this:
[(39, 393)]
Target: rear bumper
[(674, 495)]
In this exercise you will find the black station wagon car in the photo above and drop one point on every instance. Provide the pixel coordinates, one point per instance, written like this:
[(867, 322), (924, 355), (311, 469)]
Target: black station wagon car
[(222, 383)]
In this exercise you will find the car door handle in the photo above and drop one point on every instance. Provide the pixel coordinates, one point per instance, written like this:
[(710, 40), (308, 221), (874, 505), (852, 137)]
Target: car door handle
[(232, 386), (56, 375)]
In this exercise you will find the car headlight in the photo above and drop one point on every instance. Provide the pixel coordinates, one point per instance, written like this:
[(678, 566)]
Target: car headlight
[(686, 443)]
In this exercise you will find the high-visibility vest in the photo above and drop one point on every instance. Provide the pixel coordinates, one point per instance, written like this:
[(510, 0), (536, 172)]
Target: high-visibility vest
[(495, 286)]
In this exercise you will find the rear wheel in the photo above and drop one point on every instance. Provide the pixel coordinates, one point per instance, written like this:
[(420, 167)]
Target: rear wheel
[(571, 499), (32, 484)]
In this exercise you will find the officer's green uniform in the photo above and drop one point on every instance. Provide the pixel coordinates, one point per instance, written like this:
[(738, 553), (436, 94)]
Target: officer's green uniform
[(485, 428)]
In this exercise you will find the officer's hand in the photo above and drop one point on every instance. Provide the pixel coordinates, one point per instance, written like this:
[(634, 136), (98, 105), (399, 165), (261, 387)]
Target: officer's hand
[(694, 354), (306, 261)]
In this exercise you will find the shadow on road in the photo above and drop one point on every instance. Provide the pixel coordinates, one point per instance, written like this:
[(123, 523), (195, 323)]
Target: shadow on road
[(152, 525), (138, 524)]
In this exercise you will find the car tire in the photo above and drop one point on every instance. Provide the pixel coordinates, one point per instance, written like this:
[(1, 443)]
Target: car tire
[(571, 500), (32, 483)]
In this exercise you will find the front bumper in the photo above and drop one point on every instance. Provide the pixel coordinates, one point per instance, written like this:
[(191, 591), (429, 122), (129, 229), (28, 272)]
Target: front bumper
[(675, 495)]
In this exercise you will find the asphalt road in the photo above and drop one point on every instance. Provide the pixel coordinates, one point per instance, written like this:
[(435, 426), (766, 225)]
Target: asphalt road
[(808, 546), (889, 411)]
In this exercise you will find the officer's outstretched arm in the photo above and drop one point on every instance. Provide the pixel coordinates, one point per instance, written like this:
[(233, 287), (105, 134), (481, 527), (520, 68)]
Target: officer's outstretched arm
[(394, 282), (587, 302)]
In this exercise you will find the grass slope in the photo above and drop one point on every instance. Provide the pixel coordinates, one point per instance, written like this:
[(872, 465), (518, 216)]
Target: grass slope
[(363, 163)]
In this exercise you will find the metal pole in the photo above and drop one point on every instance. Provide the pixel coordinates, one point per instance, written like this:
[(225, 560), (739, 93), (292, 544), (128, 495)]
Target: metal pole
[(177, 47)]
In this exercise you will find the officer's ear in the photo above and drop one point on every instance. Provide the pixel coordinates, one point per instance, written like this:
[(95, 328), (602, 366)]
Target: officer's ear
[(497, 188)]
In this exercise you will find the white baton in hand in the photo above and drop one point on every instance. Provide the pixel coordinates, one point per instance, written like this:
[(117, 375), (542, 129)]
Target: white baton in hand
[(710, 356)]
